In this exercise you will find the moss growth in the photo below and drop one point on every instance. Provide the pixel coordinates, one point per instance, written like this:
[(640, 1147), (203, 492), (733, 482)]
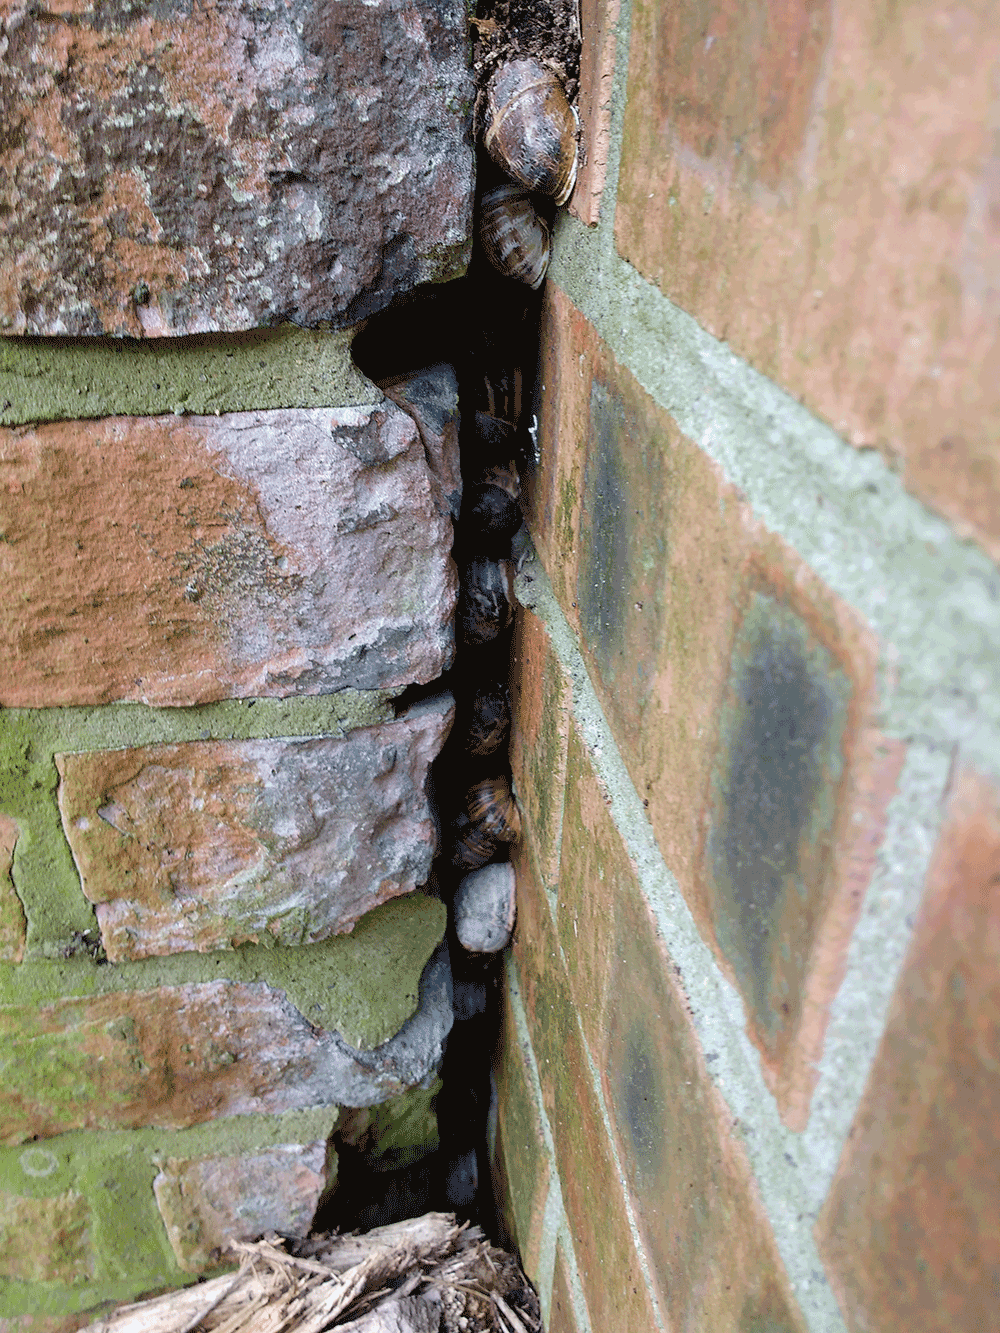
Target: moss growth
[(114, 1172), (397, 1133), (57, 379), (43, 872), (364, 985)]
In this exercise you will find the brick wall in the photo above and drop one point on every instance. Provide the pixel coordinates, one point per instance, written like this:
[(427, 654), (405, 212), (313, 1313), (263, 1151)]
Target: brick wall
[(751, 1077), (225, 554)]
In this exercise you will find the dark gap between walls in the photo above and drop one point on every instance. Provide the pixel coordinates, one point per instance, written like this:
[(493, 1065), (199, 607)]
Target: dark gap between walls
[(484, 325)]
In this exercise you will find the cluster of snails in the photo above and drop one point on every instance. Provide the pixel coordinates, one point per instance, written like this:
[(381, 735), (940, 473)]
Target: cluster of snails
[(529, 128), (486, 327)]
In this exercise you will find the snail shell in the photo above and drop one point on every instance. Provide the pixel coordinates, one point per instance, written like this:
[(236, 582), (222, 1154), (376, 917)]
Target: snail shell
[(530, 129), (490, 720), (514, 237), (491, 807), (486, 600), (494, 515), (473, 845)]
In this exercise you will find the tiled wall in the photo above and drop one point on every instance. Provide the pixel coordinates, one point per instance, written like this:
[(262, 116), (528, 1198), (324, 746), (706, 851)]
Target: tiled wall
[(753, 1080)]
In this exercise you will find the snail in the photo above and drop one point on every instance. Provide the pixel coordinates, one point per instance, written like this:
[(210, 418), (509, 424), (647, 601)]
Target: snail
[(530, 128), (473, 846), (514, 237), (494, 513), (491, 807), (490, 721), (486, 600)]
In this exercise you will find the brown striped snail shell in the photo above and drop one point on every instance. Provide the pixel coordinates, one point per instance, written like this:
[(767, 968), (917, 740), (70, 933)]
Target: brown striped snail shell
[(486, 600), (514, 237), (494, 513), (489, 723), (491, 806), (473, 845), (530, 129)]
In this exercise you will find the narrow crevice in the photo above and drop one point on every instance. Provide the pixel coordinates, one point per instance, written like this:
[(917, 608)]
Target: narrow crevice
[(485, 325)]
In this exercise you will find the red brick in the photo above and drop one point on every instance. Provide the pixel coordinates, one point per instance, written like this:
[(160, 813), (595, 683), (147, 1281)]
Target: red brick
[(207, 845), (592, 1190), (562, 1317), (222, 166), (684, 602), (818, 187), (13, 924), (540, 698), (706, 1236), (596, 875), (910, 1233), (175, 1056), (597, 71), (521, 1163), (183, 560), (206, 1202)]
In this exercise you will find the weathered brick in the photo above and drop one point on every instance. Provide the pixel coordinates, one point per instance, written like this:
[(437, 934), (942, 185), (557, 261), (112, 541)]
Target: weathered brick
[(181, 1055), (689, 611), (42, 1323), (207, 845), (707, 1238), (910, 1233), (593, 1192), (183, 169), (183, 560), (562, 1317), (521, 1162), (597, 70), (46, 1240), (13, 924), (841, 176), (540, 700), (207, 1202)]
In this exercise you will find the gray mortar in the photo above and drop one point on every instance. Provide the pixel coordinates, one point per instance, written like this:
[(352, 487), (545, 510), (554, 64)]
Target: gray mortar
[(58, 379)]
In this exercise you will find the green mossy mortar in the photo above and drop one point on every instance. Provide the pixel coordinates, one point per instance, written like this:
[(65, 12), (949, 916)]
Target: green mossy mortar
[(114, 1173), (364, 985), (68, 379), (396, 1133), (43, 873)]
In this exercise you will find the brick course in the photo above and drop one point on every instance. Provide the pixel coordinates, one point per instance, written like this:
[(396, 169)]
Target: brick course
[(206, 846), (220, 166), (191, 559), (817, 185)]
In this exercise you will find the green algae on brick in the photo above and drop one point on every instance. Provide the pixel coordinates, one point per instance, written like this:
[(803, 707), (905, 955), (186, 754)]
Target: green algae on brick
[(57, 379), (43, 872)]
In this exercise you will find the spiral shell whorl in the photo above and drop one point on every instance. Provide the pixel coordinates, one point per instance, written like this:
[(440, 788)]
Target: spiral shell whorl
[(514, 237), (530, 128)]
